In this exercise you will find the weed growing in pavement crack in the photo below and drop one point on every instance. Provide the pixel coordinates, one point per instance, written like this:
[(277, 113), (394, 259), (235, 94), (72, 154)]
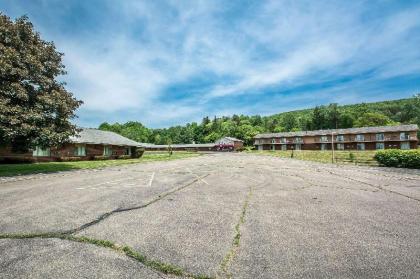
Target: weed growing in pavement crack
[(128, 251), (154, 264), (30, 235), (157, 265), (224, 266), (119, 210)]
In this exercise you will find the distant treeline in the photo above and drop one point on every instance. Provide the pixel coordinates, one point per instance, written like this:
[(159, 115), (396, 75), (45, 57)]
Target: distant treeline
[(244, 127)]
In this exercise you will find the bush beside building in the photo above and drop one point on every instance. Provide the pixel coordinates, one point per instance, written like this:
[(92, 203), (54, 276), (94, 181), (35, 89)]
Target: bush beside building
[(399, 158)]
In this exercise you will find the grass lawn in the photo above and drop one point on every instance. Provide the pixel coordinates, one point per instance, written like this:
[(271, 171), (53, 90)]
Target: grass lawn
[(19, 169), (358, 157)]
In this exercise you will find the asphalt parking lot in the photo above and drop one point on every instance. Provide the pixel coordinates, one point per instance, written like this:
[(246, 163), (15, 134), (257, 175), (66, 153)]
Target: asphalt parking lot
[(217, 216)]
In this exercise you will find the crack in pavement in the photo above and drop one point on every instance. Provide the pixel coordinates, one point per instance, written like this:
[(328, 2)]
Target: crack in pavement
[(230, 255), (314, 184), (126, 250), (374, 186), (119, 210)]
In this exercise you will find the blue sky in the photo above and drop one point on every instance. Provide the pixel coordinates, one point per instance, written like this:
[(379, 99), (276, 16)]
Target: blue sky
[(170, 62)]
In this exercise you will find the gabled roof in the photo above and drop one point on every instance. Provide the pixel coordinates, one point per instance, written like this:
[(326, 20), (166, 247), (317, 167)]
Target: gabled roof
[(361, 130), (232, 139), (189, 145), (95, 136), (229, 138)]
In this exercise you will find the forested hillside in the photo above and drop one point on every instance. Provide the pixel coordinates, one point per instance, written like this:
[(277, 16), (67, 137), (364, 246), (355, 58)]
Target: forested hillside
[(246, 127)]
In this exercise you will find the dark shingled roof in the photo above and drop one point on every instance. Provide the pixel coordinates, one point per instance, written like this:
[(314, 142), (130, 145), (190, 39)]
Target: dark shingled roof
[(95, 136), (361, 130)]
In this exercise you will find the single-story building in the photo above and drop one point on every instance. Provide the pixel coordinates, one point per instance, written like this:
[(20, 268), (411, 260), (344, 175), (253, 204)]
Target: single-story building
[(88, 144), (223, 144), (181, 147), (230, 142), (363, 138)]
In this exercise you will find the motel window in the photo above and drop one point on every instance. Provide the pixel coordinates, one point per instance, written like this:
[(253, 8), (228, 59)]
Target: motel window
[(127, 151), (273, 147), (340, 146), (41, 152), (80, 150), (324, 138), (283, 140), (405, 145), (360, 137), (360, 146), (323, 146), (107, 151), (284, 147), (380, 137), (273, 141), (298, 139), (404, 136), (340, 138), (380, 145)]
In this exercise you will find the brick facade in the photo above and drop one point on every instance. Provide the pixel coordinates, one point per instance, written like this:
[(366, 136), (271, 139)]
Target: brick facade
[(66, 152), (368, 138)]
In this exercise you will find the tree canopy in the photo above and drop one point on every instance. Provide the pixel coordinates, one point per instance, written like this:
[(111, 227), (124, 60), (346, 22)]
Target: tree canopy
[(246, 127), (35, 108)]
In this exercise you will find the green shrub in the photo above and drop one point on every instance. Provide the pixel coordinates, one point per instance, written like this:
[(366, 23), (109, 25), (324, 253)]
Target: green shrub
[(351, 157), (399, 158), (249, 148), (138, 152)]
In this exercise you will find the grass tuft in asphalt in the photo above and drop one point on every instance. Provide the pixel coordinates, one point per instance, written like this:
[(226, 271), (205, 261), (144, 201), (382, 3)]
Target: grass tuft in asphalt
[(224, 266), (157, 265), (128, 251), (97, 242), (30, 235)]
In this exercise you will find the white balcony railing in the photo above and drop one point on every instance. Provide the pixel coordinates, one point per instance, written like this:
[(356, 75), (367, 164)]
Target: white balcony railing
[(405, 137)]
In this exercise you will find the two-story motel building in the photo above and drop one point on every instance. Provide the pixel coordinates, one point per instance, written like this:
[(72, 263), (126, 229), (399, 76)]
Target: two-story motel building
[(364, 138)]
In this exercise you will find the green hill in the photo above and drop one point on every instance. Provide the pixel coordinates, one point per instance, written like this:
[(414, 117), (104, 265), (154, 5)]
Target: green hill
[(393, 112)]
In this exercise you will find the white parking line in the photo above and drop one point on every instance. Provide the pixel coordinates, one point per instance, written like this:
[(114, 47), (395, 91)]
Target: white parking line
[(151, 179), (199, 178)]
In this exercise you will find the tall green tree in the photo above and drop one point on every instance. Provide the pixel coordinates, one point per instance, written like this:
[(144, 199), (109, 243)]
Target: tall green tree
[(322, 117), (346, 120), (289, 122), (370, 119), (318, 118), (333, 116), (35, 108)]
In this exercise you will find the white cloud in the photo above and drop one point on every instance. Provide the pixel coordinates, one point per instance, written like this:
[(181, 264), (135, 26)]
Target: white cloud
[(142, 47)]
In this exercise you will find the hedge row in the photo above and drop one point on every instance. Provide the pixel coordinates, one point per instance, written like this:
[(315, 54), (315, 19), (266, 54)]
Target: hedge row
[(399, 158)]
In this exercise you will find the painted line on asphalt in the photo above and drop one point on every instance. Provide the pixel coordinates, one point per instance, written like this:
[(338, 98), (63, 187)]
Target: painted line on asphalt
[(198, 177), (151, 179)]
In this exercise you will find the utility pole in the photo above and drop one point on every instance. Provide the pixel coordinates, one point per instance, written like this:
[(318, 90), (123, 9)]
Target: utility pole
[(332, 147)]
